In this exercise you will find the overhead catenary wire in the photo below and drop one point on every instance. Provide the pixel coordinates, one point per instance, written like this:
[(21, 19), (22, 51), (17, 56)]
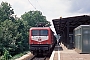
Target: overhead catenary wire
[(32, 4), (40, 6)]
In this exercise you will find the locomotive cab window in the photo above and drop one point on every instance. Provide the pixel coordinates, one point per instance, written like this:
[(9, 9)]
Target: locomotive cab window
[(35, 32), (44, 32), (39, 32)]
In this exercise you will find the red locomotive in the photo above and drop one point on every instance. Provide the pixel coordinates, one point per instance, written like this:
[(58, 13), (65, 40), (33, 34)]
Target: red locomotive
[(41, 40)]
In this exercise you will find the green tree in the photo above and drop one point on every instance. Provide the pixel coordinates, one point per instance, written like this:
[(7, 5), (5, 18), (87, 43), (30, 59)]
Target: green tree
[(8, 36), (22, 36), (6, 12), (14, 36), (13, 33), (34, 17)]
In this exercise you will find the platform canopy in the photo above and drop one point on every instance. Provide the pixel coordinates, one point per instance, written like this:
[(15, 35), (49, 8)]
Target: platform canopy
[(65, 28), (70, 23)]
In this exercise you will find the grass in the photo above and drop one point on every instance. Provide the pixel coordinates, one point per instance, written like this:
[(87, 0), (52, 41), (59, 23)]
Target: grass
[(19, 55)]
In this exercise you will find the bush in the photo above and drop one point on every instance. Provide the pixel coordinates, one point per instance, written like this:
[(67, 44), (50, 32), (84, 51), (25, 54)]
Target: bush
[(6, 55)]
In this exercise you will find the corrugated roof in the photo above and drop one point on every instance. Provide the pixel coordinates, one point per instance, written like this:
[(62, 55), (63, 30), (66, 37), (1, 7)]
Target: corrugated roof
[(61, 24)]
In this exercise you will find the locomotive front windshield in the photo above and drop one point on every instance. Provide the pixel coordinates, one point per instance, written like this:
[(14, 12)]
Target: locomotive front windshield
[(39, 32)]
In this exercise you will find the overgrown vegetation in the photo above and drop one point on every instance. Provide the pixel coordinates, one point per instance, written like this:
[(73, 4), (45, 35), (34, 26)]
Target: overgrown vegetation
[(14, 31), (6, 55), (19, 55)]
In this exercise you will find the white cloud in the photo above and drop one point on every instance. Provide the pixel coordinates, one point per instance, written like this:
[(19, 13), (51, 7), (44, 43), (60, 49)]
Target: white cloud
[(80, 6), (50, 8)]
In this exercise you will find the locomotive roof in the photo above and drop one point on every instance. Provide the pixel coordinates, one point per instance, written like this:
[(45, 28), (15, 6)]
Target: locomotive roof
[(40, 28)]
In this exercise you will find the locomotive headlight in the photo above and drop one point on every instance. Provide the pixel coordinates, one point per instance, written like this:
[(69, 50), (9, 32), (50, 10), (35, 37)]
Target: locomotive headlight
[(50, 45), (46, 42)]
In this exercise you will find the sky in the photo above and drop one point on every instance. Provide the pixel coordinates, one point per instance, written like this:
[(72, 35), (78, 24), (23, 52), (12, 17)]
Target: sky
[(52, 9)]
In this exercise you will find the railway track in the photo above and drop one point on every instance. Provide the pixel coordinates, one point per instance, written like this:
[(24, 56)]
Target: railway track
[(33, 57), (42, 57), (39, 58), (30, 56)]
